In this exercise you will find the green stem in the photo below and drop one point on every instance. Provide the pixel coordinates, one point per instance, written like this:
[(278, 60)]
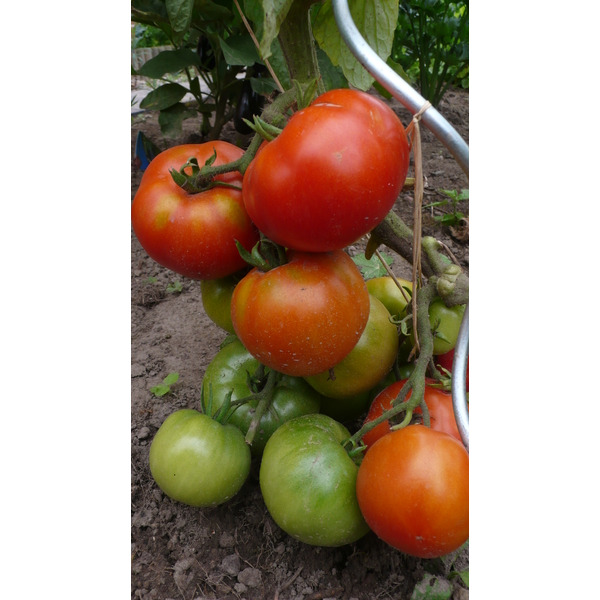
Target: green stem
[(265, 399), (416, 380), (298, 46)]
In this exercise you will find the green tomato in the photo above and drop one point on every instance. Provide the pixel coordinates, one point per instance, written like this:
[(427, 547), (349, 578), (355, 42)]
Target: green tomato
[(198, 461), (229, 371), (445, 323), (367, 363), (308, 482), (386, 290), (216, 299)]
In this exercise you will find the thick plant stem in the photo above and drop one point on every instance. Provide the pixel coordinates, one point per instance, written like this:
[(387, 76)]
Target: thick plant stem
[(416, 380), (298, 46)]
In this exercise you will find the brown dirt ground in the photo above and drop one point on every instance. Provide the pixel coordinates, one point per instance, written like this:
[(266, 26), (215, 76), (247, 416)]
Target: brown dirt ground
[(236, 551)]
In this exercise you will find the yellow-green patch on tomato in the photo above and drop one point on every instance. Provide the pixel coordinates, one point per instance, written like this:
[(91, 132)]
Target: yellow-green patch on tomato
[(216, 299), (386, 290), (367, 363)]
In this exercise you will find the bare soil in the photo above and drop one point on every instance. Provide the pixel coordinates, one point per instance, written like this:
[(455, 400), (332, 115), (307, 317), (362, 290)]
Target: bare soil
[(236, 551)]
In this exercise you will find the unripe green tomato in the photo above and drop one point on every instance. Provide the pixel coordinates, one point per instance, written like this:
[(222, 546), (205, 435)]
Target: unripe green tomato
[(367, 363), (308, 482), (228, 373), (198, 461), (386, 290), (445, 323), (216, 299)]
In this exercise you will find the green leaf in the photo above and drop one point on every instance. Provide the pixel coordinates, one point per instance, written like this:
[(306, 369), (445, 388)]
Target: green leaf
[(180, 14), (432, 588), (163, 97), (174, 287), (464, 575), (171, 378), (239, 50), (169, 61), (377, 23), (170, 119), (372, 267), (274, 12)]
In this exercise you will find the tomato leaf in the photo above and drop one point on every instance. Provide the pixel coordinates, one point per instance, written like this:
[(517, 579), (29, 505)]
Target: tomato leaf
[(372, 267), (376, 21)]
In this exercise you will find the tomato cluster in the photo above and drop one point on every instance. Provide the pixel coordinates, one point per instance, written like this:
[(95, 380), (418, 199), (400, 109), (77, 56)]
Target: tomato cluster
[(312, 346)]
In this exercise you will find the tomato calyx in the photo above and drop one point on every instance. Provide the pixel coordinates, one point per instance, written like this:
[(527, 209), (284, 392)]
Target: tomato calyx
[(265, 254), (202, 179)]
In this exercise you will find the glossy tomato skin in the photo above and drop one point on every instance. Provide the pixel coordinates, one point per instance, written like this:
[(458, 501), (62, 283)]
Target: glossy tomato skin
[(216, 299), (367, 363), (386, 290), (413, 491), (308, 482), (331, 176), (302, 317), (228, 372), (439, 404), (446, 323), (198, 461), (192, 234)]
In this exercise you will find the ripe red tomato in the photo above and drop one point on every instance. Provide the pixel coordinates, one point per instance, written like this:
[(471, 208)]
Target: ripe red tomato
[(413, 491), (439, 403), (193, 234), (331, 176), (302, 317)]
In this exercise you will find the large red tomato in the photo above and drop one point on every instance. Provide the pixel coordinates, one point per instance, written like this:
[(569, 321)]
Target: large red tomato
[(413, 491), (193, 234), (303, 317), (439, 403), (331, 176)]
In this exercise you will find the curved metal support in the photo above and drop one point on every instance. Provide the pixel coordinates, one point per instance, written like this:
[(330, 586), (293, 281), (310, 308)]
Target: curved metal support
[(459, 379), (396, 86), (450, 138)]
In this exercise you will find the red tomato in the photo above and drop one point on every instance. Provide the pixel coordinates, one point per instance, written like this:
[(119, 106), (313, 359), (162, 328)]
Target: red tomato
[(193, 234), (303, 317), (331, 176), (439, 403), (413, 491), (447, 360)]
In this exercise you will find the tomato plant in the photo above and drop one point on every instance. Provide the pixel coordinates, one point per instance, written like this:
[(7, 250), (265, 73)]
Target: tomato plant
[(331, 176), (231, 370), (413, 491), (198, 461), (386, 290), (193, 234), (302, 317), (367, 363), (308, 482), (439, 403)]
